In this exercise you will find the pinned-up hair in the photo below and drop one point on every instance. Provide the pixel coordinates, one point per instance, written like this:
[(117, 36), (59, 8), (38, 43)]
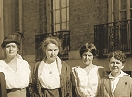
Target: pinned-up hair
[(88, 47), (49, 40)]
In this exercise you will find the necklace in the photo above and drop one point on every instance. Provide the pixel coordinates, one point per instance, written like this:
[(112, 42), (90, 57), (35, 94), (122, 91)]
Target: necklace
[(50, 72), (50, 66)]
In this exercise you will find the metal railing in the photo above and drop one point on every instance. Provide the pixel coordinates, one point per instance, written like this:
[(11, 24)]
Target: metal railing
[(113, 36), (64, 36)]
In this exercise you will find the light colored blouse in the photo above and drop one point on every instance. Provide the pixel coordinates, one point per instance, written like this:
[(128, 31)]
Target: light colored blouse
[(86, 82), (49, 75), (18, 78)]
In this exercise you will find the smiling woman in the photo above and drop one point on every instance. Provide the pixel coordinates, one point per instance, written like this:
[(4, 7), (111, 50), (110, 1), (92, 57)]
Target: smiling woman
[(117, 83), (86, 79)]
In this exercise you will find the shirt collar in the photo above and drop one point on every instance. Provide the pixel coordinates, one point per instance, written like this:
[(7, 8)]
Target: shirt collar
[(120, 75)]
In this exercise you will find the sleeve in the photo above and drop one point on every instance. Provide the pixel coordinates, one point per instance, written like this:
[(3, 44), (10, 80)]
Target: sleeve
[(100, 89), (34, 73), (102, 71), (67, 83), (131, 88), (3, 92), (102, 92)]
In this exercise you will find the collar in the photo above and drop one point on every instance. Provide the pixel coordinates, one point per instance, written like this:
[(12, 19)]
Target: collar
[(120, 75), (58, 62)]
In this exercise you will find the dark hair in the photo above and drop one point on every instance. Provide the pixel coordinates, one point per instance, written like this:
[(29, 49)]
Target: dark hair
[(88, 47), (49, 40), (119, 55)]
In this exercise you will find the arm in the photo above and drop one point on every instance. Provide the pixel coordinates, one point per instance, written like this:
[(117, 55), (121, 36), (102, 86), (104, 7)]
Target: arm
[(66, 80), (131, 88), (74, 91), (3, 92), (102, 91), (102, 71)]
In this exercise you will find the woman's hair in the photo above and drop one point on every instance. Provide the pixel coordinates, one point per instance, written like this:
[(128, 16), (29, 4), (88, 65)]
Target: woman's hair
[(119, 55), (49, 40), (88, 47)]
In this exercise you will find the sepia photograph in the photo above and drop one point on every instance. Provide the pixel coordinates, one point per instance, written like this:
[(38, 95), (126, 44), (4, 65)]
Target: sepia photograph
[(65, 48)]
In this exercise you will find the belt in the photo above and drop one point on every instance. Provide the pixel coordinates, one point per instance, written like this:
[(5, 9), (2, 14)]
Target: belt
[(49, 89), (14, 89)]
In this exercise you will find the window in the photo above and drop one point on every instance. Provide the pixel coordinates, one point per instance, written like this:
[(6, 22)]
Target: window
[(119, 10), (119, 14), (58, 10)]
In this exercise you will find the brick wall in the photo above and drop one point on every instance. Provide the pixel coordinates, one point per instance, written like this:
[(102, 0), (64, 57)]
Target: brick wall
[(34, 22), (84, 14)]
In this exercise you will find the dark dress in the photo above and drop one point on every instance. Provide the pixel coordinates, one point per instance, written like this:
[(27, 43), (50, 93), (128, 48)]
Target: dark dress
[(3, 92)]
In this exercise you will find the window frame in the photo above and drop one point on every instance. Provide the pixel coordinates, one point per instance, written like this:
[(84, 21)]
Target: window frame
[(50, 16), (111, 10)]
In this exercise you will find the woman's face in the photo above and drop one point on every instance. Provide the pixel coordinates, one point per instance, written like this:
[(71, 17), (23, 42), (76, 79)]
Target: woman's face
[(11, 49), (51, 51), (115, 65), (87, 58)]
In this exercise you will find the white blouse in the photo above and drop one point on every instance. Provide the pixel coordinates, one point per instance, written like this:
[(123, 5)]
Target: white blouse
[(86, 82), (48, 75), (16, 79)]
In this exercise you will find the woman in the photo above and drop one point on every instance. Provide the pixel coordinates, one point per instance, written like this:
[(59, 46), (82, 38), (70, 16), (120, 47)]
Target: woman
[(117, 83), (51, 76), (86, 79), (15, 69)]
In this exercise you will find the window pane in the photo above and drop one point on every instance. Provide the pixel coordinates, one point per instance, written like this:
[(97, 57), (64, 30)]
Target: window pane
[(115, 5), (57, 4), (67, 25), (64, 15), (131, 14), (123, 4), (51, 18), (57, 27), (63, 3), (116, 16), (63, 26), (57, 16), (54, 17), (67, 2), (123, 15), (53, 2), (68, 14), (131, 3)]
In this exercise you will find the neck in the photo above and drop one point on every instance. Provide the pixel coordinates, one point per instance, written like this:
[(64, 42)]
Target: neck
[(114, 74), (89, 65), (9, 58), (48, 61)]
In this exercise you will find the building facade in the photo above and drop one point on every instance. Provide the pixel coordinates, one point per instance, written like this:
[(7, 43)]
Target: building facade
[(34, 17)]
